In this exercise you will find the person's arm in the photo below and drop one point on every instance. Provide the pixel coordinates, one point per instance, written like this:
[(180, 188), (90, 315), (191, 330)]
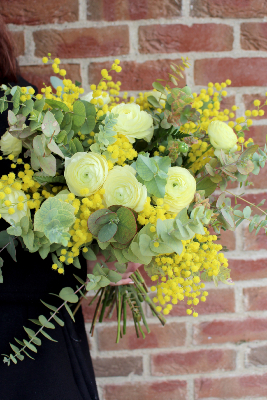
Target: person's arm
[(125, 278)]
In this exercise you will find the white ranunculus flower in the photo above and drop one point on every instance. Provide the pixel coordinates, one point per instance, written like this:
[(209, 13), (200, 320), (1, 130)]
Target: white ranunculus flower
[(13, 197), (85, 171), (122, 188), (132, 122), (222, 136), (180, 189), (105, 97), (10, 145)]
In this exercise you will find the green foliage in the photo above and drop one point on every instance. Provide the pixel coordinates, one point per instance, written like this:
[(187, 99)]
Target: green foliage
[(119, 226), (54, 218), (105, 136), (50, 126), (152, 172)]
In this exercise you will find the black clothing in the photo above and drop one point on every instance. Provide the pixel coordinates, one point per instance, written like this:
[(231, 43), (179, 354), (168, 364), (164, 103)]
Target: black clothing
[(60, 371)]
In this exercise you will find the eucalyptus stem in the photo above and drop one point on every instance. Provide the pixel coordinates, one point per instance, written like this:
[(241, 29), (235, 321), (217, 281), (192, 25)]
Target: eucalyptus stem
[(148, 300), (140, 309), (96, 312), (124, 313), (241, 198), (119, 317), (49, 319), (141, 330)]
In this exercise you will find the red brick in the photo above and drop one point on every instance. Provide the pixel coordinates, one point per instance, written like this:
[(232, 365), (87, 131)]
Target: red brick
[(228, 8), (28, 12), (222, 331), (258, 134), (118, 10), (248, 101), (193, 362), (248, 269), (118, 366), (254, 242), (134, 75), (241, 71), (39, 74), (83, 42), (257, 356), (183, 38), (171, 390), (218, 301), (226, 238), (259, 181), (227, 102), (253, 36), (236, 387), (255, 298), (19, 42), (171, 335)]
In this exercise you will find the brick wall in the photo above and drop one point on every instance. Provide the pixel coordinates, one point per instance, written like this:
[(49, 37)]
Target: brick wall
[(223, 353)]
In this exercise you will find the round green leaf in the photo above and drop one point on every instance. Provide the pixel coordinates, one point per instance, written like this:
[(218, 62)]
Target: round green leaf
[(67, 294)]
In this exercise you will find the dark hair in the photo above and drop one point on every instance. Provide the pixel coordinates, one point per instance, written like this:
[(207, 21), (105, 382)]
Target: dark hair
[(8, 63)]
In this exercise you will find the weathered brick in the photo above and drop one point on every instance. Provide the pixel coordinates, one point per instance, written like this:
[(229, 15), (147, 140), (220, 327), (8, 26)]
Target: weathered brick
[(171, 335), (135, 75), (258, 134), (222, 331), (171, 390), (257, 356), (248, 269), (39, 74), (255, 298), (236, 387), (228, 8), (83, 42), (193, 362), (28, 12), (254, 242), (227, 102), (253, 36), (259, 181), (118, 366), (248, 100), (183, 38), (241, 71), (218, 301), (19, 42), (117, 10), (226, 238)]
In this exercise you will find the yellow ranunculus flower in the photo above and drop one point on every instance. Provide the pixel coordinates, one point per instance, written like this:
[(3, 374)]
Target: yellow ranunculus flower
[(85, 171), (122, 188), (132, 122), (222, 136), (13, 198), (180, 189), (10, 145)]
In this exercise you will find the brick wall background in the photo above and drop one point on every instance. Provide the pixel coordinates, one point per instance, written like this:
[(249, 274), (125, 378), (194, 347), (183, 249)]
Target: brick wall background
[(223, 353)]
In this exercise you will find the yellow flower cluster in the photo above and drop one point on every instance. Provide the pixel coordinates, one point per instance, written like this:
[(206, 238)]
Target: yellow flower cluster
[(199, 155), (80, 235), (122, 150), (24, 182), (68, 94), (151, 213), (181, 278)]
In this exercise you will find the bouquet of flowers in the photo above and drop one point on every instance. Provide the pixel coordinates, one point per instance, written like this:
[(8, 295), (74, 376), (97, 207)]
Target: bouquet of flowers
[(122, 180)]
